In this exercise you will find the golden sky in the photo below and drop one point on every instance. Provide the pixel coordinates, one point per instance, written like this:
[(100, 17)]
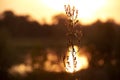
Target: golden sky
[(43, 10)]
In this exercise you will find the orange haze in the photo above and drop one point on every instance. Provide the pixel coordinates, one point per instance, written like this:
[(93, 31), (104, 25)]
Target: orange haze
[(44, 10)]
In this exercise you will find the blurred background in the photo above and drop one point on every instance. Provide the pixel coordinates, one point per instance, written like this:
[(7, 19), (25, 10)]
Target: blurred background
[(33, 39)]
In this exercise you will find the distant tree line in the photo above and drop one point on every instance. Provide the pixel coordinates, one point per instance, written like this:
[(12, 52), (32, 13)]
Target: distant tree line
[(102, 39)]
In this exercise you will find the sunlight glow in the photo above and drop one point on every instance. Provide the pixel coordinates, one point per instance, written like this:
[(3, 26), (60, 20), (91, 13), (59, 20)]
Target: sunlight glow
[(87, 8), (82, 61), (44, 10), (21, 69), (52, 64)]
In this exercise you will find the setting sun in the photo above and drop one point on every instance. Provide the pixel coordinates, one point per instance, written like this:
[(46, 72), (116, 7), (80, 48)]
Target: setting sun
[(87, 8)]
